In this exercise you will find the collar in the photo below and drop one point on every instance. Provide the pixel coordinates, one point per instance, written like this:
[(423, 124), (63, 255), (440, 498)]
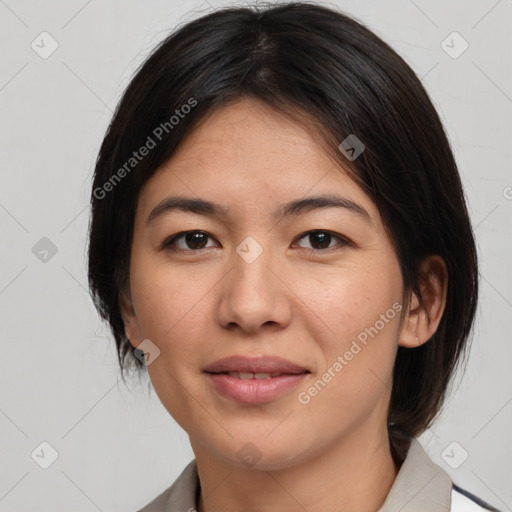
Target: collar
[(420, 486)]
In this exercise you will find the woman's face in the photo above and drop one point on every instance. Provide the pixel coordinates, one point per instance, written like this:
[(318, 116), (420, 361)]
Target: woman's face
[(250, 282)]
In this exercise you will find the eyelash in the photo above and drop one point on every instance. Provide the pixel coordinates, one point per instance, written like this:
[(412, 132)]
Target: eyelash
[(168, 244)]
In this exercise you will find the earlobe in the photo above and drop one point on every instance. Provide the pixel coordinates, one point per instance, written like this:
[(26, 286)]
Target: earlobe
[(131, 325), (423, 316)]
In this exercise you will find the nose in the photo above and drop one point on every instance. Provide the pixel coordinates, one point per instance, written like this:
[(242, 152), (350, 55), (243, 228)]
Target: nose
[(254, 296)]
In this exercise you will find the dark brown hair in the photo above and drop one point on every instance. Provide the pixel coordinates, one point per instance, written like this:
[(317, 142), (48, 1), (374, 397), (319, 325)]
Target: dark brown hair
[(329, 70)]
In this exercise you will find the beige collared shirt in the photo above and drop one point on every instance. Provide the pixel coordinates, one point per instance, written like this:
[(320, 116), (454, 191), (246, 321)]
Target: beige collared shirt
[(420, 486)]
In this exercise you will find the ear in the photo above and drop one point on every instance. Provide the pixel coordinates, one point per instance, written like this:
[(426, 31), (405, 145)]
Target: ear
[(131, 325), (421, 321)]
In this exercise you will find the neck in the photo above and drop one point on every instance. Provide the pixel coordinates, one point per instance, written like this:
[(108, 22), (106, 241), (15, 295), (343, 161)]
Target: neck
[(353, 474)]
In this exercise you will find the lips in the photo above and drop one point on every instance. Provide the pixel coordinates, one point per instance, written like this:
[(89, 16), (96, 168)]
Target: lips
[(250, 375), (255, 380), (246, 368)]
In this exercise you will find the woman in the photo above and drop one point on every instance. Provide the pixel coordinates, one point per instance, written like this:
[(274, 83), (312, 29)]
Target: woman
[(279, 236)]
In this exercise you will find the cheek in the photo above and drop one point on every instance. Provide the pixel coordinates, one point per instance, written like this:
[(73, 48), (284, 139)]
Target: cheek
[(357, 328), (171, 311), (166, 297), (357, 362), (343, 302), (175, 311)]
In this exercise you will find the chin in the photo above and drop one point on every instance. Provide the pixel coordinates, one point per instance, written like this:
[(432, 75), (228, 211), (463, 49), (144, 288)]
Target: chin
[(262, 454)]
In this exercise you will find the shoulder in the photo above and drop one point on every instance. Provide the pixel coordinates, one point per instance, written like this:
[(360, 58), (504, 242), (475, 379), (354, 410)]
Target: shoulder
[(180, 496), (464, 501), (423, 486), (158, 503)]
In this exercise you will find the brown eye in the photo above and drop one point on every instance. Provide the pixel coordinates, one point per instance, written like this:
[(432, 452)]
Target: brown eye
[(189, 240), (196, 240), (320, 240)]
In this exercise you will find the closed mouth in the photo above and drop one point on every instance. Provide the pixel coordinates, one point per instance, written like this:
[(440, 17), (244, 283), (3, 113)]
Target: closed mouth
[(257, 375), (262, 367)]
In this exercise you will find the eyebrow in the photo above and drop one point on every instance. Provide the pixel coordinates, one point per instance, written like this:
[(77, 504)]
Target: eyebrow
[(297, 207)]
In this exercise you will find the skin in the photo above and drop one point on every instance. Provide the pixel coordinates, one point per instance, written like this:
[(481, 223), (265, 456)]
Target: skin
[(198, 305)]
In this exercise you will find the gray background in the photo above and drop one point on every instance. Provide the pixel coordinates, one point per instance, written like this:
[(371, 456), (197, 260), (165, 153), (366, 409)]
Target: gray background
[(117, 446)]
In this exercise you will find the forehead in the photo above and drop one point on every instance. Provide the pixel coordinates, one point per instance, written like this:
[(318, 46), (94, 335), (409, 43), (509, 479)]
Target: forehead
[(249, 156), (248, 135)]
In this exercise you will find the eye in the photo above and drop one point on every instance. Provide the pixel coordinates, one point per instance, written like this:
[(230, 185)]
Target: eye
[(192, 240), (321, 240)]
